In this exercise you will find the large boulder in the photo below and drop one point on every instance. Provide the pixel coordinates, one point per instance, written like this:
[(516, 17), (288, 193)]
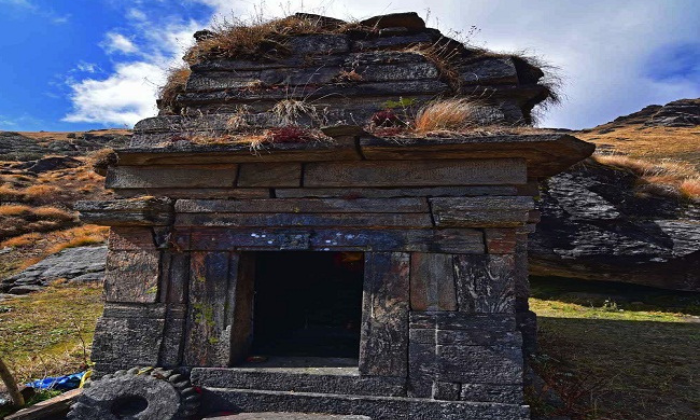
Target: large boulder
[(75, 265), (596, 225)]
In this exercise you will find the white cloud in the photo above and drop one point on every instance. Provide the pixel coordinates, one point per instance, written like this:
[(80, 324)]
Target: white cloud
[(87, 67), (44, 12), (603, 48), (128, 94), (123, 98), (116, 42)]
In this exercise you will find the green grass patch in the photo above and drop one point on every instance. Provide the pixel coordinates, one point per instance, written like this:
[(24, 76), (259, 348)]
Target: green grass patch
[(636, 359), (50, 332)]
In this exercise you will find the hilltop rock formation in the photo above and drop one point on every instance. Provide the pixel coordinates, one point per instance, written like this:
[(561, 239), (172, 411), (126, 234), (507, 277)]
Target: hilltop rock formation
[(680, 113), (23, 147)]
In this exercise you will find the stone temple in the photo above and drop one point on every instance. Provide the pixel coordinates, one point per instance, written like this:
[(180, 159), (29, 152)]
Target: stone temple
[(345, 264)]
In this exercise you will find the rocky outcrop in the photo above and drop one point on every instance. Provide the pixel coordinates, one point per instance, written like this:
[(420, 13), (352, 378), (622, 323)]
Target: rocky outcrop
[(596, 226), (680, 113), (23, 147), (75, 265)]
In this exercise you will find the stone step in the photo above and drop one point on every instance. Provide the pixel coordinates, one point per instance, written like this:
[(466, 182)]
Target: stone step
[(320, 380), (378, 408), (286, 416)]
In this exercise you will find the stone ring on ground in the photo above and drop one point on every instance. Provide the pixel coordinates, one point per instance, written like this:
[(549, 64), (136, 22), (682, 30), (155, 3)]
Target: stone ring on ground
[(141, 394)]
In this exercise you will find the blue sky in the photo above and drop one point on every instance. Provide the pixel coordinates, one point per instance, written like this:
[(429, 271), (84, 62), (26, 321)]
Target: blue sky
[(69, 65)]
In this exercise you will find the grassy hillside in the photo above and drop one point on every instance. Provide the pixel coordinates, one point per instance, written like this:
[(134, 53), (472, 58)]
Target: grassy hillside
[(36, 198)]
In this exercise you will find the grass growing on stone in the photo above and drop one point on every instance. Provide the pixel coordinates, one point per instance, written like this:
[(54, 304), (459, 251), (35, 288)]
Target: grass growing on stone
[(618, 352), (49, 332)]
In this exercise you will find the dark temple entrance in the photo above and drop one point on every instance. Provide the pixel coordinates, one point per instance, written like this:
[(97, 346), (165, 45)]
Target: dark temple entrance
[(308, 304)]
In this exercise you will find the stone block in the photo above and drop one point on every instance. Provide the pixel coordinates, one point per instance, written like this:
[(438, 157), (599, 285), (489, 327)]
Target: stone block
[(385, 302), (410, 174), (180, 176), (270, 175), (132, 276), (485, 283)]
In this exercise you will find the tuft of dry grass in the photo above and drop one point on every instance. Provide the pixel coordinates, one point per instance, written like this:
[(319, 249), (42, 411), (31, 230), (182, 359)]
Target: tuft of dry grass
[(669, 178), (690, 187), (259, 39), (174, 85), (101, 160), (53, 213), (10, 210), (447, 115), (288, 111)]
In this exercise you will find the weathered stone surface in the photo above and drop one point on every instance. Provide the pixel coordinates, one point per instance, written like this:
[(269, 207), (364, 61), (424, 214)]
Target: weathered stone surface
[(432, 282), (277, 205), (142, 211), (392, 42), (355, 193), (384, 343), (409, 21), (485, 283), (281, 380), (211, 300), (122, 343), (411, 174), (424, 240), (220, 176), (490, 70), (480, 211), (378, 408), (596, 226), (68, 264), (270, 175), (298, 220), (131, 238), (462, 321), (508, 394), (132, 276), (318, 44), (286, 416)]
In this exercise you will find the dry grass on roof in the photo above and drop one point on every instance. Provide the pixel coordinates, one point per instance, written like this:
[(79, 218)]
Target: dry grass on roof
[(174, 85), (260, 39)]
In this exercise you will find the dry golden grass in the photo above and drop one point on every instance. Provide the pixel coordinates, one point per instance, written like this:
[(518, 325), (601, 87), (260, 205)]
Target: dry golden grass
[(677, 179), (447, 115), (42, 193), (21, 241), (690, 187), (14, 210), (259, 39), (175, 85), (32, 247), (48, 136), (53, 213), (654, 144)]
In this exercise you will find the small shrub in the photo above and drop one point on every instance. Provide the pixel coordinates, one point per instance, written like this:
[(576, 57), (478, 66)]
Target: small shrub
[(387, 118), (289, 134)]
